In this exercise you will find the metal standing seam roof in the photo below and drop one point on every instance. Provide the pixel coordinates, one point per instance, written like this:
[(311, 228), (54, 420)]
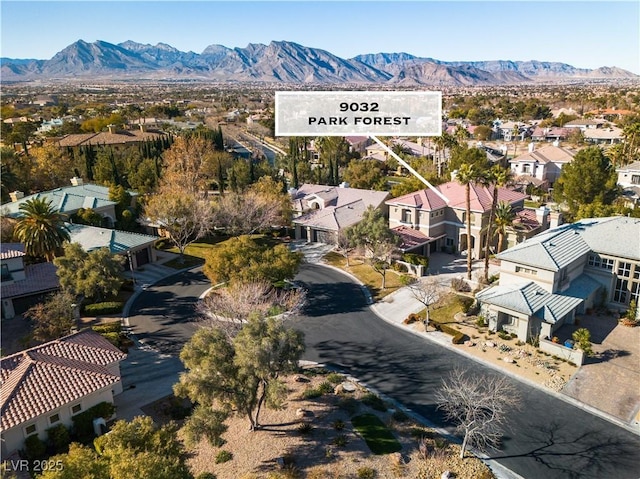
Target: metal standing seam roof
[(46, 377), (551, 250), (92, 237), (617, 236), (530, 299)]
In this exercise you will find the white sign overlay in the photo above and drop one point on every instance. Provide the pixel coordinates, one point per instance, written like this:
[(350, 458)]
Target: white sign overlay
[(358, 113)]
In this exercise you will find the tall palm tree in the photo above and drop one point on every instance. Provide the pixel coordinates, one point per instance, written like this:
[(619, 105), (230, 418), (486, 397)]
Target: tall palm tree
[(41, 228), (504, 219), (498, 177), (467, 174)]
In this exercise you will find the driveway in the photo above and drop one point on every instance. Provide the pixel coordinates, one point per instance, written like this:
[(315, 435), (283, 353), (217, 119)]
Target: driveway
[(610, 380)]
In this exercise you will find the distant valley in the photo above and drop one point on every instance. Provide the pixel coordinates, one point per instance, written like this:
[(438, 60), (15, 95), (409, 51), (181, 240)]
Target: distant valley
[(287, 62)]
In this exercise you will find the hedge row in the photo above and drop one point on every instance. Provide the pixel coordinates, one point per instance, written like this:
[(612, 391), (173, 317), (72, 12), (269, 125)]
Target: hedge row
[(98, 309)]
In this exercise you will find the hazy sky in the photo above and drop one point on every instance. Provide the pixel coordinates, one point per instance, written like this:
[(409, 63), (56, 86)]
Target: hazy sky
[(584, 34)]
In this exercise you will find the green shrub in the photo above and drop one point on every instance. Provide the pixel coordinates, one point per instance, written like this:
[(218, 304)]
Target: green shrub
[(223, 456), (374, 402), (311, 393), (338, 424), (340, 440), (415, 259), (335, 378), (481, 322), (83, 422), (399, 267), (366, 472), (59, 439), (447, 329), (163, 243), (34, 448), (112, 327), (465, 303), (325, 387), (108, 307), (206, 475)]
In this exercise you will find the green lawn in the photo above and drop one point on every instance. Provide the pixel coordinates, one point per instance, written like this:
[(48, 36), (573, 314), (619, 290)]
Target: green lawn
[(377, 436), (366, 274)]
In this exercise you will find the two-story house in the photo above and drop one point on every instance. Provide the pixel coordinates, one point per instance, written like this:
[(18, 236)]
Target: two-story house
[(541, 166), (431, 221), (549, 278), (629, 180), (321, 212)]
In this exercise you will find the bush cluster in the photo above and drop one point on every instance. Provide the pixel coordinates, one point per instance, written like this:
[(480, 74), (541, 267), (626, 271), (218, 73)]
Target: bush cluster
[(412, 318), (460, 285), (416, 259), (108, 307), (465, 303), (83, 422)]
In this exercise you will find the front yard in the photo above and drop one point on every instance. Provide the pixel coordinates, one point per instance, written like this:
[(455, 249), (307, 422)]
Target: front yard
[(366, 274)]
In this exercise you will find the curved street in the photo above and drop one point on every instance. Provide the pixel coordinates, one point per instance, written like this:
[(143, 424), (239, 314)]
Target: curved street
[(548, 438)]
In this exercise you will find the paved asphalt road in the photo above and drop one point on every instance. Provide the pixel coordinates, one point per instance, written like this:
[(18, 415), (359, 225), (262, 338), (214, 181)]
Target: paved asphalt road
[(548, 438)]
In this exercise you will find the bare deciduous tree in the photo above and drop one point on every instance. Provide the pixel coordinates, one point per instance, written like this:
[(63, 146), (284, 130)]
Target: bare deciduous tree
[(228, 308), (344, 245), (182, 216), (478, 405), (427, 292), (248, 212)]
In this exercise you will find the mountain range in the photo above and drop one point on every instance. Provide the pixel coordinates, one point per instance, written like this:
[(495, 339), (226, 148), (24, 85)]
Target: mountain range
[(285, 62)]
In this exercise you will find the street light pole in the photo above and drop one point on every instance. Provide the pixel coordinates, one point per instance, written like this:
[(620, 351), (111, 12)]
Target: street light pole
[(133, 277)]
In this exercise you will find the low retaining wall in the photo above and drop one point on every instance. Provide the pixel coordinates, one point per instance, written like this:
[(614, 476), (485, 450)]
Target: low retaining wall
[(576, 356)]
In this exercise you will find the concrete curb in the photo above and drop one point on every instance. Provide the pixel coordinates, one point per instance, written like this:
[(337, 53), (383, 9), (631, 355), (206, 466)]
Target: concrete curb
[(498, 469), (590, 409)]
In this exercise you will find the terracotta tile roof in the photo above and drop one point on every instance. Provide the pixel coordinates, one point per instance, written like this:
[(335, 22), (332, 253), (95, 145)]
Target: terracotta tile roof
[(11, 250), (526, 219), (106, 138), (40, 277), (481, 197), (410, 238), (46, 377)]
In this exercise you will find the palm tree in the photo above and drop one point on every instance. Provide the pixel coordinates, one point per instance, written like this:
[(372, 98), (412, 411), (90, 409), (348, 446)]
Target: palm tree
[(41, 228), (503, 219), (467, 174), (498, 177)]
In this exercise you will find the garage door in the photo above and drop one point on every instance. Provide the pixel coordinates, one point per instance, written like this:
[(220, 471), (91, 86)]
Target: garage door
[(323, 237), (142, 257)]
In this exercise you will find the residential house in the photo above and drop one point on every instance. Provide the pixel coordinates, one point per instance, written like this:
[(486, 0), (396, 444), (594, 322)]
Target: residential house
[(113, 137), (585, 124), (430, 221), (68, 200), (48, 384), (137, 248), (547, 280), (321, 212), (541, 166), (23, 285), (358, 144), (553, 133), (629, 180), (604, 136)]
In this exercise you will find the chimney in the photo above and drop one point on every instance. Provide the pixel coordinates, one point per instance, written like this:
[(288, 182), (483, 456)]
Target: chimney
[(556, 142), (75, 181), (555, 219), (344, 184), (532, 147), (542, 216), (16, 195), (112, 129)]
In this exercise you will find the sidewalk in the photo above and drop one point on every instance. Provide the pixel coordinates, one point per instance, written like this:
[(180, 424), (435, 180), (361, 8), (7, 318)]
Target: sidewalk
[(395, 307)]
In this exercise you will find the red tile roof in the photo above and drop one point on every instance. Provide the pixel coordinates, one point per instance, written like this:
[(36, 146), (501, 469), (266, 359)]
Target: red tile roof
[(46, 377), (410, 238), (481, 197)]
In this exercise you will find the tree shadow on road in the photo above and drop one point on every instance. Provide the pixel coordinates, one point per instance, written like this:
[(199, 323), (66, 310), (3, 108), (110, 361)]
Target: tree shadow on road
[(571, 454), (321, 299)]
